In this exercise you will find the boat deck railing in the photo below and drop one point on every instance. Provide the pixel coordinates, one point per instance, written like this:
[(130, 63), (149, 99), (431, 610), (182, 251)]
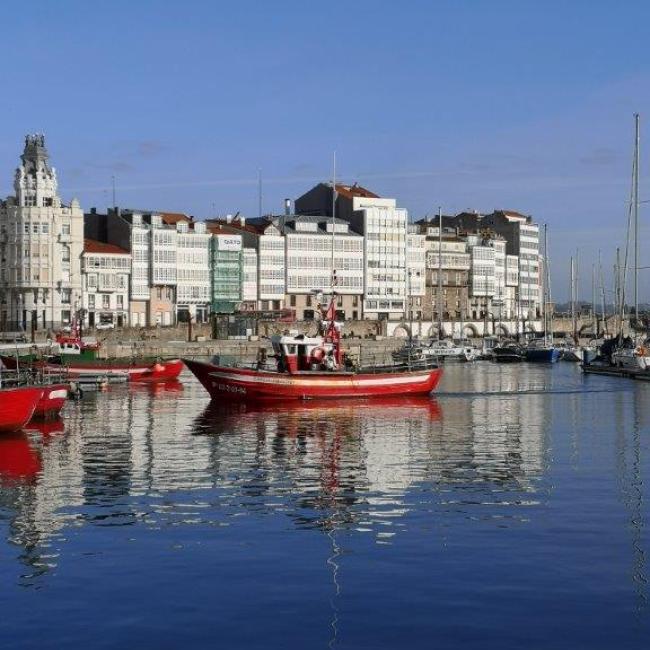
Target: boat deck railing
[(32, 376)]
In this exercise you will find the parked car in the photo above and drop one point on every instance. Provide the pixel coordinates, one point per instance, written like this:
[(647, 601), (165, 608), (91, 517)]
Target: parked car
[(105, 326)]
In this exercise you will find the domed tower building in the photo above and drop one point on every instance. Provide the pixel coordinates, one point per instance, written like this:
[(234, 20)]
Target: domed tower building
[(41, 242)]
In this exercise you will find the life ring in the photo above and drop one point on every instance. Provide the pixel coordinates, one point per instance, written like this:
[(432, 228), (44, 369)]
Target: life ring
[(317, 355)]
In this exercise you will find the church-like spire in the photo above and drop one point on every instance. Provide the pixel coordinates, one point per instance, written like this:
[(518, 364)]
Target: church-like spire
[(35, 182)]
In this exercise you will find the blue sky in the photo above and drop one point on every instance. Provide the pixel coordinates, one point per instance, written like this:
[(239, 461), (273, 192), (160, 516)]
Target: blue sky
[(467, 105)]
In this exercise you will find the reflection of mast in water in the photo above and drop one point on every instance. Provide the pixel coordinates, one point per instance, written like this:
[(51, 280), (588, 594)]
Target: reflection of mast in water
[(631, 485)]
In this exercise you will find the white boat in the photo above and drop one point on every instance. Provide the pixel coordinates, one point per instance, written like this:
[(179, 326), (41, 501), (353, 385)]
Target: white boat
[(447, 350), (633, 358)]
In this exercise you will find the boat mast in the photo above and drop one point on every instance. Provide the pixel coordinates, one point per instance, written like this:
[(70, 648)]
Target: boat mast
[(636, 215), (602, 293), (439, 274), (572, 286), (547, 286), (333, 220), (518, 298), (593, 300)]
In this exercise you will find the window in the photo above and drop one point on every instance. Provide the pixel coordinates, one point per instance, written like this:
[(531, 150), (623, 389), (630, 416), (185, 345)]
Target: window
[(92, 280), (292, 300), (35, 228), (120, 301), (91, 301), (65, 253), (26, 228), (106, 301), (45, 228), (65, 296), (65, 229)]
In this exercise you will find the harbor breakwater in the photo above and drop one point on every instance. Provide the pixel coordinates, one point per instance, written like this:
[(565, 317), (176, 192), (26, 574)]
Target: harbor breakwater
[(244, 350)]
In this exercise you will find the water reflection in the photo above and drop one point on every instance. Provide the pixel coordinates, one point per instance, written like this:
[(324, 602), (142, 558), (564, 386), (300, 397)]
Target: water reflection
[(141, 456)]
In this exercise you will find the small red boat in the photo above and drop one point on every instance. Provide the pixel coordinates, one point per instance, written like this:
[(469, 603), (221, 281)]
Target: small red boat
[(51, 402), (148, 371), (17, 406), (313, 368)]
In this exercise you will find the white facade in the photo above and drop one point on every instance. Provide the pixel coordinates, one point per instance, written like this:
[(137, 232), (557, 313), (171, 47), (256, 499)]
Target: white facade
[(529, 269), (384, 227), (309, 243), (163, 253), (193, 270), (271, 259), (249, 273), (41, 241), (106, 273), (141, 259)]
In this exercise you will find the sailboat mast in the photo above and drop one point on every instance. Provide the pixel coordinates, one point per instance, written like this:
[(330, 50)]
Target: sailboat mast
[(572, 282), (636, 215), (602, 292), (546, 291), (333, 220), (593, 300), (440, 273)]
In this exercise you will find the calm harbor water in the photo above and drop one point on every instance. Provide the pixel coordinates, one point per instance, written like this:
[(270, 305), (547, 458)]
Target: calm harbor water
[(510, 510)]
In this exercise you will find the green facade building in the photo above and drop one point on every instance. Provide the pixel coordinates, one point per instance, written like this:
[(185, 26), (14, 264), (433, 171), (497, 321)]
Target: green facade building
[(226, 273)]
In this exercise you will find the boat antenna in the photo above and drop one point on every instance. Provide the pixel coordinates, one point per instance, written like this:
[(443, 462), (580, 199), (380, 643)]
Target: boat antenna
[(259, 192)]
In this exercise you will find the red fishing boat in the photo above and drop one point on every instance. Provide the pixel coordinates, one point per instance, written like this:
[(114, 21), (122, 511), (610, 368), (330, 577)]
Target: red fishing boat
[(52, 400), (145, 371), (17, 406), (313, 368), (148, 371)]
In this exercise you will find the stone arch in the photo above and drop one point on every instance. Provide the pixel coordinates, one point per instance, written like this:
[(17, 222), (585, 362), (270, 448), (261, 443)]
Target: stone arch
[(502, 330), (402, 331), (470, 331)]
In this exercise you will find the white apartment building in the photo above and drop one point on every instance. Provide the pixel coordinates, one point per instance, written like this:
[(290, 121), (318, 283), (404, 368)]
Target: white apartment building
[(41, 241), (522, 237), (249, 279), (106, 271), (384, 228), (192, 271), (271, 268), (311, 243), (416, 255), (140, 265)]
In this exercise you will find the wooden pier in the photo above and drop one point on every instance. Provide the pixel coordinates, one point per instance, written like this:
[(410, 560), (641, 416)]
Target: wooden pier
[(615, 371)]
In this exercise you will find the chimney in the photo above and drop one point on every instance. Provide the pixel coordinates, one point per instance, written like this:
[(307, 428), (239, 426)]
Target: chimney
[(287, 207)]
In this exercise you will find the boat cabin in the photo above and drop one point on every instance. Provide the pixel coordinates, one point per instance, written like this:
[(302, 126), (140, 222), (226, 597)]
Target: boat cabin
[(296, 353)]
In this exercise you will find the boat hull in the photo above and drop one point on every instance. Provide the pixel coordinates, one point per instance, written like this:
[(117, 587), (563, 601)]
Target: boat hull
[(543, 355), (253, 385), (17, 406), (51, 402), (140, 372), (150, 372)]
